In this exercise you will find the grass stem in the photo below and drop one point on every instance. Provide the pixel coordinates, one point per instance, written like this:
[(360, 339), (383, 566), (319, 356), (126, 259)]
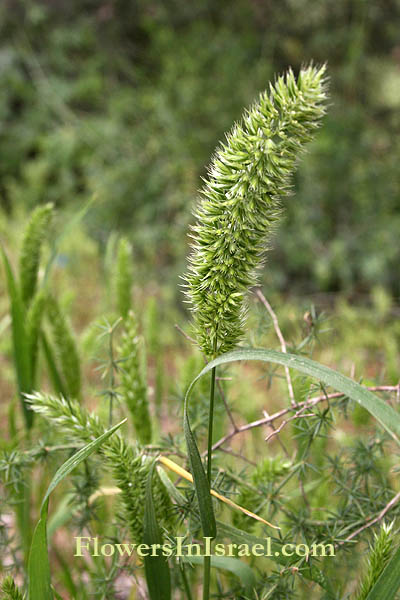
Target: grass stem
[(207, 559), (185, 582)]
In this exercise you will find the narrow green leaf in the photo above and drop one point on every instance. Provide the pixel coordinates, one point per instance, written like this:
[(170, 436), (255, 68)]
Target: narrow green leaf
[(389, 582), (156, 567), (39, 586), (20, 339), (234, 565), (383, 412), (200, 480)]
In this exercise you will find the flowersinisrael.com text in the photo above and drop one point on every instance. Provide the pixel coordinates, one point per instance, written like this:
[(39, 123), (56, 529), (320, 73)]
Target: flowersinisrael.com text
[(93, 546)]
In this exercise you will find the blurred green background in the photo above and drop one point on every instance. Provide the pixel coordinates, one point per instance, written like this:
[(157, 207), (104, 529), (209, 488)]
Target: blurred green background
[(126, 100)]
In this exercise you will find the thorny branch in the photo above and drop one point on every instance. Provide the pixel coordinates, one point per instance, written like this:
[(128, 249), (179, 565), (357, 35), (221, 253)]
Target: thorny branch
[(300, 405), (380, 516)]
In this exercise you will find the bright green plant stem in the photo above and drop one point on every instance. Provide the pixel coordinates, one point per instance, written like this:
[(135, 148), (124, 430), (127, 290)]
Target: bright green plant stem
[(206, 577), (207, 559), (210, 424), (185, 582)]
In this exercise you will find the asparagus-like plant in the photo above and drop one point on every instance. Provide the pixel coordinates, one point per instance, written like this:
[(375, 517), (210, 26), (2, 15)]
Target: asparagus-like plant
[(247, 178)]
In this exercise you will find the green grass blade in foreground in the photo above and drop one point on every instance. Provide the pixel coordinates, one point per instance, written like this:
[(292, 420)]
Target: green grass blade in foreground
[(234, 565), (383, 413), (389, 582), (200, 479), (156, 567), (20, 339), (39, 567)]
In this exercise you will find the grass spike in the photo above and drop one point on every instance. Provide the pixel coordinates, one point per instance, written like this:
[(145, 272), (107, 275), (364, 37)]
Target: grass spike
[(378, 557), (124, 277), (31, 248), (240, 203), (133, 386), (65, 347), (10, 590)]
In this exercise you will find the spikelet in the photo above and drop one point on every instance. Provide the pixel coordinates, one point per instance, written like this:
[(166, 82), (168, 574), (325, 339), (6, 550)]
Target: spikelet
[(123, 277), (129, 466), (10, 589), (130, 472), (34, 321), (248, 176), (133, 387), (378, 558), (32, 241), (65, 347)]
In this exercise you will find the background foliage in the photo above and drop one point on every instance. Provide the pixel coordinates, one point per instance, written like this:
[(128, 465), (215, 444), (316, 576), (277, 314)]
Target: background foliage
[(127, 100)]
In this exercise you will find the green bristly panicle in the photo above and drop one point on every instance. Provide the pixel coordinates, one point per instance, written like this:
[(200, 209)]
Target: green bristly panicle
[(129, 466), (248, 176), (133, 386), (10, 590), (32, 242), (65, 347), (123, 277)]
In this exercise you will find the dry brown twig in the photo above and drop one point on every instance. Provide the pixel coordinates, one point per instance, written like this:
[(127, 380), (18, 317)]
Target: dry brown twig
[(306, 404), (281, 339), (373, 521)]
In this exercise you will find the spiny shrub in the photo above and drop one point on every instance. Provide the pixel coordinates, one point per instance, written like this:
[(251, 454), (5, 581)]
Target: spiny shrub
[(240, 202)]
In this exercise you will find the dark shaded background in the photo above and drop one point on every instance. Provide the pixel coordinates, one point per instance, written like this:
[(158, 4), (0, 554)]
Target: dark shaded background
[(127, 99)]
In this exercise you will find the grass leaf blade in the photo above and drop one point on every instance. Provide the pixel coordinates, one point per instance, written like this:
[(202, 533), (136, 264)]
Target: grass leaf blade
[(200, 480), (156, 567), (389, 582), (383, 413), (20, 339)]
